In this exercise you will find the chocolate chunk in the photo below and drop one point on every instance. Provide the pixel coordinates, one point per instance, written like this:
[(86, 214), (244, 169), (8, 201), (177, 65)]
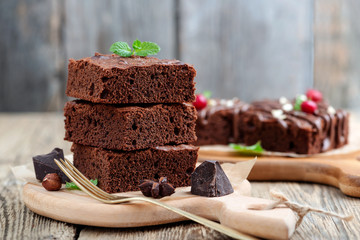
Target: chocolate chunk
[(166, 189), (44, 164), (210, 180), (156, 189), (146, 187)]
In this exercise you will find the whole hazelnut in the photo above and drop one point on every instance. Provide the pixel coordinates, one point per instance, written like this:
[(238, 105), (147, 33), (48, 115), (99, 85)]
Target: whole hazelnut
[(51, 182)]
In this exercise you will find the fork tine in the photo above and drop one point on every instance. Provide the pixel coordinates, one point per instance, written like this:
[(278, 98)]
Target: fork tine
[(82, 176), (86, 181), (73, 178)]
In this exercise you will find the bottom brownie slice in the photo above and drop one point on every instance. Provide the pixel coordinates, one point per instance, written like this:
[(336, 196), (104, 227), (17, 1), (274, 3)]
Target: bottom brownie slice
[(121, 171)]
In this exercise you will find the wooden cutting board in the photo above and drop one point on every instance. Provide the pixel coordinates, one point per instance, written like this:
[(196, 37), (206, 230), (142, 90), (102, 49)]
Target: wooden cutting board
[(341, 170), (74, 206), (233, 210)]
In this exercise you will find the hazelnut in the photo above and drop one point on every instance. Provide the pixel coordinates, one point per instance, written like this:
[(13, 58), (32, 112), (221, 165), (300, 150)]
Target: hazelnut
[(51, 182)]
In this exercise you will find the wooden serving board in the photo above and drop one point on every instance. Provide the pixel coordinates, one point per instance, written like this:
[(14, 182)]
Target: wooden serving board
[(74, 206), (233, 210), (341, 170)]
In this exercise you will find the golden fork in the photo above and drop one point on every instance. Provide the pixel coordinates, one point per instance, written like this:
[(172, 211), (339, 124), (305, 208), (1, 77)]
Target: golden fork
[(93, 191)]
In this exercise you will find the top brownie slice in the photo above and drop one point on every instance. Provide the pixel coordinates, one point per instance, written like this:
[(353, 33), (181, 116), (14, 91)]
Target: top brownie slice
[(118, 80)]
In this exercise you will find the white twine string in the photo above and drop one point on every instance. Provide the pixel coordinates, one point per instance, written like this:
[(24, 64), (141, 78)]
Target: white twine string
[(301, 210)]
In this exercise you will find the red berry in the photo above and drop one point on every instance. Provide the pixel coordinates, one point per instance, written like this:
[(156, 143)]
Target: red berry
[(308, 106), (200, 102), (314, 95)]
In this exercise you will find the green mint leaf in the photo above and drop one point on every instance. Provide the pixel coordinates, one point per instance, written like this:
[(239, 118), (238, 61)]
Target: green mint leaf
[(72, 186), (136, 44), (140, 48), (298, 101), (253, 150), (94, 181), (147, 48), (122, 49), (207, 94)]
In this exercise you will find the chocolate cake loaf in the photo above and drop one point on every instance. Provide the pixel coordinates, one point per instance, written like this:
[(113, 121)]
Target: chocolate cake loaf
[(120, 171), (129, 127), (118, 80), (298, 132), (293, 131)]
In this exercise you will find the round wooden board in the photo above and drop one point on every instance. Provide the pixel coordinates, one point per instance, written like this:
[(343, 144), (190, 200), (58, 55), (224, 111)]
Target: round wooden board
[(76, 207), (61, 205)]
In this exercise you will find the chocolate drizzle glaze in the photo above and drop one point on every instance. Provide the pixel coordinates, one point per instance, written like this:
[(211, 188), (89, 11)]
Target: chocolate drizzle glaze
[(234, 105)]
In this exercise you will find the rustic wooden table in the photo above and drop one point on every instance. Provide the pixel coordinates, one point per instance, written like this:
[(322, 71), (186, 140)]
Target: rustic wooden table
[(25, 135)]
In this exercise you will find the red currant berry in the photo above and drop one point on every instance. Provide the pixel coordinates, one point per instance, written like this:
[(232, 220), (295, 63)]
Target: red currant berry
[(314, 95), (308, 106), (200, 102)]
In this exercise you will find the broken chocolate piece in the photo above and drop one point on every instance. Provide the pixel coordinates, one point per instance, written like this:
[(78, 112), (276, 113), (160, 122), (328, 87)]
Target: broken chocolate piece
[(44, 164), (156, 189), (145, 187), (210, 180), (166, 189)]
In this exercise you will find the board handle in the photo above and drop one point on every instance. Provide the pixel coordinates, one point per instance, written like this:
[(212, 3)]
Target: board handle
[(343, 174), (277, 223)]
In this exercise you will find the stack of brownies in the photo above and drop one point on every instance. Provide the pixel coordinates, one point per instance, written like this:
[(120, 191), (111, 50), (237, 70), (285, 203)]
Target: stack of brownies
[(133, 121)]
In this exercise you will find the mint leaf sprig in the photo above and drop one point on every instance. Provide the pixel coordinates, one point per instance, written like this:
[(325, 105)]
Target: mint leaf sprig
[(142, 49), (72, 186), (253, 150)]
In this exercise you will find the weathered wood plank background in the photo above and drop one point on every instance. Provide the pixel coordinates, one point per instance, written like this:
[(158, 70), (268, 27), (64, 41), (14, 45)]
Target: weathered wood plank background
[(249, 49)]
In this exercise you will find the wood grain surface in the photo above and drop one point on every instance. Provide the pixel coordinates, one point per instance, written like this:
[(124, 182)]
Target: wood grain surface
[(24, 135)]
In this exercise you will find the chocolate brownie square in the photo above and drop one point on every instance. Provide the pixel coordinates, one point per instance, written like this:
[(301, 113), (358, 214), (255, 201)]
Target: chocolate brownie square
[(121, 171), (118, 80), (129, 127)]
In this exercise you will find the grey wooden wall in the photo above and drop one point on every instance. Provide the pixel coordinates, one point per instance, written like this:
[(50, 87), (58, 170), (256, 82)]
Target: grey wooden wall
[(337, 51), (249, 49)]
